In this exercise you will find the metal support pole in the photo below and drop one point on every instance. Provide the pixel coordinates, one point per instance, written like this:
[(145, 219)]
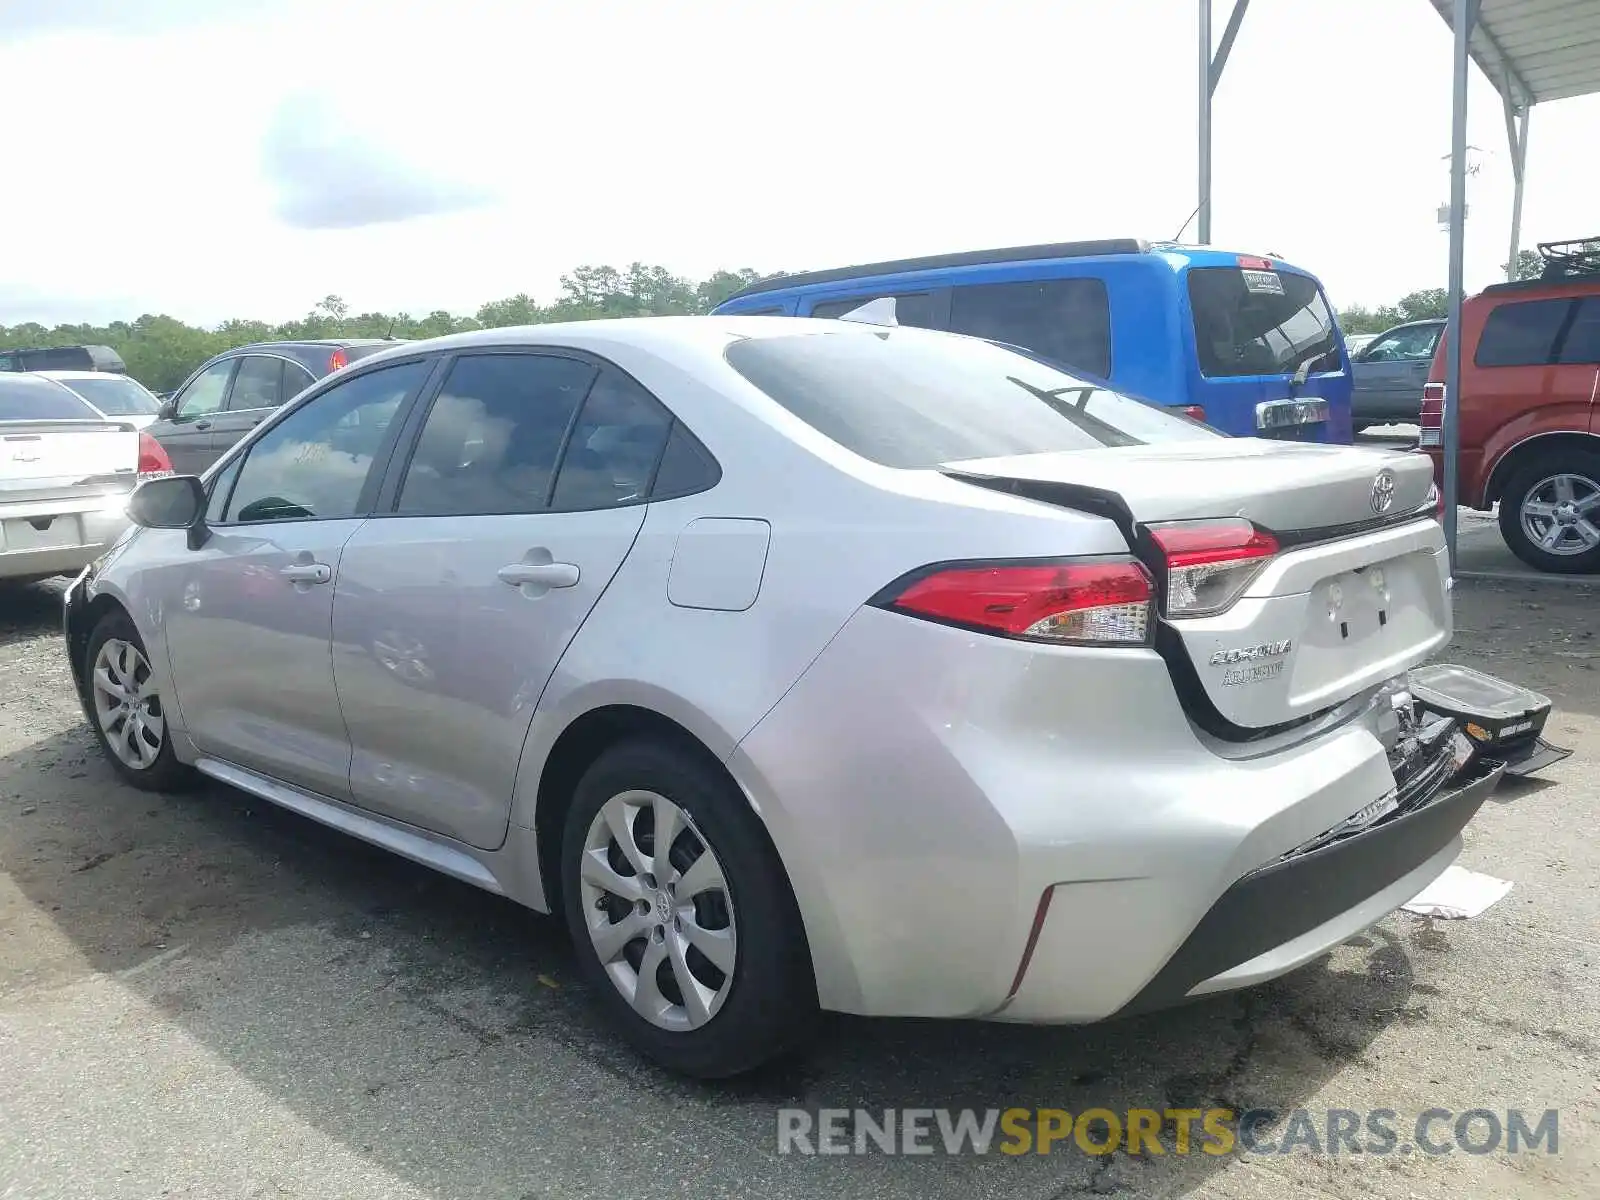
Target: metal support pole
[(1517, 134), (1205, 123), (1466, 12)]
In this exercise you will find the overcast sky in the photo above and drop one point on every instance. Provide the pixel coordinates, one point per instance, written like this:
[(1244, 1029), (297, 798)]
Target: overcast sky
[(220, 158)]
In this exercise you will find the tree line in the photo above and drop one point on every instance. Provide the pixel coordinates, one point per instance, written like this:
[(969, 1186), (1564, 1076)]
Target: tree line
[(160, 350)]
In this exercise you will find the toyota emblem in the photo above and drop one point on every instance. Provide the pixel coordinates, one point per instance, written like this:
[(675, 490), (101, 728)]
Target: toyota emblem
[(1383, 491)]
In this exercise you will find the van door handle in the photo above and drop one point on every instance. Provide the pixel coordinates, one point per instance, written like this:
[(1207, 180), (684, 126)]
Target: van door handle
[(309, 572), (202, 424), (545, 575)]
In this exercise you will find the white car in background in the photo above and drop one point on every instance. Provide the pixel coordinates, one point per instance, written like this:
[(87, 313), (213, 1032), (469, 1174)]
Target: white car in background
[(65, 475), (115, 396)]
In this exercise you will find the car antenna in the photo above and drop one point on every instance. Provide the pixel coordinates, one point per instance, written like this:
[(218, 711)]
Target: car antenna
[(389, 337), (1186, 221)]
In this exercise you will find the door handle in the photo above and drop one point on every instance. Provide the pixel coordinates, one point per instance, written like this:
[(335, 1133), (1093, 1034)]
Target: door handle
[(311, 572), (547, 575), (202, 424)]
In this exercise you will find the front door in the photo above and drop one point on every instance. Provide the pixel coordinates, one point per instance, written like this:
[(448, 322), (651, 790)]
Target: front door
[(186, 435), (250, 613), (454, 608)]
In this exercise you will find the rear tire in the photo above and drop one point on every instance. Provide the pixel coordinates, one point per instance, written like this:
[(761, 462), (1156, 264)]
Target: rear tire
[(1550, 512), (126, 711), (639, 919)]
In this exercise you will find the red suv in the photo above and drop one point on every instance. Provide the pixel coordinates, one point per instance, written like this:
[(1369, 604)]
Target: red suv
[(1530, 428)]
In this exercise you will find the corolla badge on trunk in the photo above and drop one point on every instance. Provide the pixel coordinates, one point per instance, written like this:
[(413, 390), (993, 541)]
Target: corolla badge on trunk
[(1252, 664), (1383, 492)]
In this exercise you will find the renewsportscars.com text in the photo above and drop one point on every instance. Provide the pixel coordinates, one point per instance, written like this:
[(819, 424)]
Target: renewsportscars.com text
[(1179, 1131)]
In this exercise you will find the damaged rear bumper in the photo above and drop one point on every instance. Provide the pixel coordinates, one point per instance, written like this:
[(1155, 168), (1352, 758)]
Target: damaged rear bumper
[(1294, 909)]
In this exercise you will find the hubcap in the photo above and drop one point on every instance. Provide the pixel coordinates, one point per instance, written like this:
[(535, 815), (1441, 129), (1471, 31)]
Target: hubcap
[(658, 910), (126, 703), (1559, 514)]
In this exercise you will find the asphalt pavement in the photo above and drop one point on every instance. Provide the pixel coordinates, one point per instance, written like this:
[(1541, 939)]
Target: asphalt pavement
[(201, 996)]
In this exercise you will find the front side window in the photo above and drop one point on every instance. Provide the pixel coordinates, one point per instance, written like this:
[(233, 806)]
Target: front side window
[(1522, 334), (910, 308), (259, 383), (913, 399), (204, 394), (1582, 343), (315, 462), (1250, 322), (494, 434), (1065, 320)]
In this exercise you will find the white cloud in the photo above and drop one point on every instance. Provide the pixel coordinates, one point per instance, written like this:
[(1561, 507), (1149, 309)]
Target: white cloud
[(224, 164)]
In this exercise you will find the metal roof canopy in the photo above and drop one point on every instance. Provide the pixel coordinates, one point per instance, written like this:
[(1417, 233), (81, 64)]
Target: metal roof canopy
[(1533, 51)]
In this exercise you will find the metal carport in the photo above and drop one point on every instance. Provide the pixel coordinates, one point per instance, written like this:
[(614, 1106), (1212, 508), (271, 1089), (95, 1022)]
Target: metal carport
[(1533, 51)]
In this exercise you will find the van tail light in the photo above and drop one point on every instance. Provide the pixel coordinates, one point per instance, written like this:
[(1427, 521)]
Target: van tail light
[(153, 459), (1210, 563), (338, 359), (1069, 602), (1193, 411)]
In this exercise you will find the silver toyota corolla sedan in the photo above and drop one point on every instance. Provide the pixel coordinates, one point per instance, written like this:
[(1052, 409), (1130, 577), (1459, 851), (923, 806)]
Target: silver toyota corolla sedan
[(806, 665)]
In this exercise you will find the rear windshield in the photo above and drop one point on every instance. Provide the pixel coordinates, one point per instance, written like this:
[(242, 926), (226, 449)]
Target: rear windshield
[(1260, 322), (115, 395), (24, 399), (915, 399)]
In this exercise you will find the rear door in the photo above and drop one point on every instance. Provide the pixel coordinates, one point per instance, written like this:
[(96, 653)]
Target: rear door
[(257, 392), (523, 492), (1579, 355)]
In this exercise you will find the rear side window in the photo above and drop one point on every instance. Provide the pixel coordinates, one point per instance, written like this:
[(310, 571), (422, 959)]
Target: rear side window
[(1260, 323), (493, 437), (28, 399), (1066, 320), (910, 308), (614, 448), (1522, 334), (913, 399)]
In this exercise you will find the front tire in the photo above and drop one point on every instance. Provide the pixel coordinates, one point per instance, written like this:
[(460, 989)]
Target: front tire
[(681, 913), (1550, 512), (128, 715)]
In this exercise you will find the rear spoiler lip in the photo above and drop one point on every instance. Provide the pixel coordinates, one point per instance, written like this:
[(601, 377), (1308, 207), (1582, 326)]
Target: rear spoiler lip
[(1099, 502)]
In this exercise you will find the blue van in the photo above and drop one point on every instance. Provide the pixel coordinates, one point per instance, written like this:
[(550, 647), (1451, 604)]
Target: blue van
[(1246, 343)]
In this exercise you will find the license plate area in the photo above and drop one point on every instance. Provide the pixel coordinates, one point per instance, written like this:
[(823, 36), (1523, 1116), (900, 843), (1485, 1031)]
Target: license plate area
[(1274, 415), (42, 533)]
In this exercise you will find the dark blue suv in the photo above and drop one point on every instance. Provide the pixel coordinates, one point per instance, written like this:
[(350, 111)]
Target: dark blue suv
[(1246, 343)]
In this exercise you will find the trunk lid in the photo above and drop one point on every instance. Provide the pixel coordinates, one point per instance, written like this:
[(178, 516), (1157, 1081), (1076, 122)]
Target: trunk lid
[(66, 459), (1356, 593)]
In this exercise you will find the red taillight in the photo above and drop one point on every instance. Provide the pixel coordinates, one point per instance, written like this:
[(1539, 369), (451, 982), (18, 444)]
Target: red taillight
[(1194, 412), (1246, 262), (153, 459), (338, 359), (1085, 603), (1431, 422), (1210, 563)]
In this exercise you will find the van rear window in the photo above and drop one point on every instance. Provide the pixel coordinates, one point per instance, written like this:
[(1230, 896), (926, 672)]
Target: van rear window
[(1260, 322)]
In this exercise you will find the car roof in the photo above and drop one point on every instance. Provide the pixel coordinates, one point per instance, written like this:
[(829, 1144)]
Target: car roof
[(65, 375)]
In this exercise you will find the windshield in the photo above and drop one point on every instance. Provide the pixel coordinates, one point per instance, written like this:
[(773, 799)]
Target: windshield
[(26, 399), (115, 395), (1260, 322), (914, 399)]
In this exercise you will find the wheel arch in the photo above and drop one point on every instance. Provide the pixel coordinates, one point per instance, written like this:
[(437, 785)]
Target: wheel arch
[(1530, 448)]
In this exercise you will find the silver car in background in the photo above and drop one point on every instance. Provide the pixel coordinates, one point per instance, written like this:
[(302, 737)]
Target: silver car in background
[(116, 397), (805, 664), (65, 476)]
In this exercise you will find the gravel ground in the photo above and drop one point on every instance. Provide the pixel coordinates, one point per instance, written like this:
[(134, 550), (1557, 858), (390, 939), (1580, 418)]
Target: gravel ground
[(201, 996)]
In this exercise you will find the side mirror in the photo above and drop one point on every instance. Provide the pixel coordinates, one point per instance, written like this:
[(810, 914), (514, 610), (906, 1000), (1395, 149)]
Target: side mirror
[(168, 409), (172, 502)]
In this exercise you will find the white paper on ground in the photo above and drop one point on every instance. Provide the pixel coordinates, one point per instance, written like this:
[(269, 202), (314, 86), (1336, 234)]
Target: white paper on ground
[(1457, 894)]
